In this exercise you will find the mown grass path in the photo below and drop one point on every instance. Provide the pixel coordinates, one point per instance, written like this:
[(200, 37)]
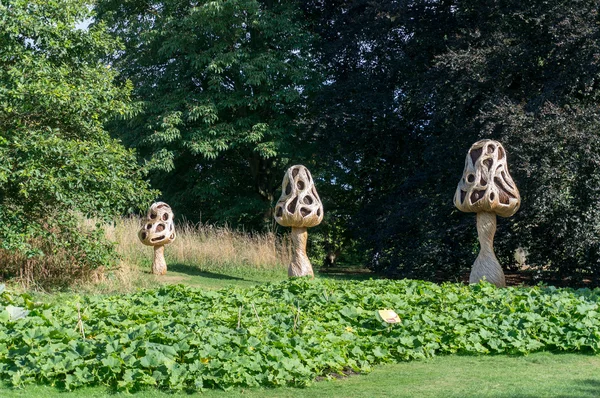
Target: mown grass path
[(532, 376)]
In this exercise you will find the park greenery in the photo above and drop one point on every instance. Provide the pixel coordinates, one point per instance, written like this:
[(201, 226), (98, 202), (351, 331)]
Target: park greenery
[(205, 104), (57, 161), (107, 105), (279, 334)]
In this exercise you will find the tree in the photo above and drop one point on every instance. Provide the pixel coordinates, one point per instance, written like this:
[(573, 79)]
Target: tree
[(56, 160), (529, 72), (223, 85), (413, 84), (371, 121)]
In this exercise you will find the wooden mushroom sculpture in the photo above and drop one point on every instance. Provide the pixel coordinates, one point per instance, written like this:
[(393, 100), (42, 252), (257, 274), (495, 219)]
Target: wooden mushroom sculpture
[(486, 188), (158, 230), (299, 207)]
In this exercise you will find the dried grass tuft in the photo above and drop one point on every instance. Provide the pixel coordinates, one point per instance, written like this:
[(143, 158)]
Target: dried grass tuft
[(207, 247)]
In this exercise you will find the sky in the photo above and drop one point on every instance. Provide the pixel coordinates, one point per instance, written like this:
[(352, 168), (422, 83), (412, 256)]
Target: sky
[(84, 24)]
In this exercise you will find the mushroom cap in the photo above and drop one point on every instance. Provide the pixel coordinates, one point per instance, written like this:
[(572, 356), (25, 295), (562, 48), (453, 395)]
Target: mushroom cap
[(299, 205), (159, 228), (486, 184)]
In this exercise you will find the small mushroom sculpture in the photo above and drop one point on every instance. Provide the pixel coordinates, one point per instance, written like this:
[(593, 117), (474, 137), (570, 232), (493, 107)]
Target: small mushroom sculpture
[(158, 230), (486, 188), (299, 207)]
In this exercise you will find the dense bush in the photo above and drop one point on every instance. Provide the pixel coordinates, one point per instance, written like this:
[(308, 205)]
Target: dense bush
[(57, 162), (279, 334)]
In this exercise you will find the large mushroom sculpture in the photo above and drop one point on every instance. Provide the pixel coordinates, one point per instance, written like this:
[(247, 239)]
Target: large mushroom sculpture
[(486, 188), (158, 230), (299, 207)]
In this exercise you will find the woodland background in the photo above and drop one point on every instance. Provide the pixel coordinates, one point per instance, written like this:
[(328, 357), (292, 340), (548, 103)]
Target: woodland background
[(204, 104)]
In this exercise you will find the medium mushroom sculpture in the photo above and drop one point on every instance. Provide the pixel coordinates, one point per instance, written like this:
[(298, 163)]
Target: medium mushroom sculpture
[(486, 188), (299, 207), (158, 230)]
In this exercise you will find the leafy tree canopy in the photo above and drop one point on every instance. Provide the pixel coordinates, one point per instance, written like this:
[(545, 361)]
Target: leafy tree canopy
[(56, 160), (414, 84), (223, 85)]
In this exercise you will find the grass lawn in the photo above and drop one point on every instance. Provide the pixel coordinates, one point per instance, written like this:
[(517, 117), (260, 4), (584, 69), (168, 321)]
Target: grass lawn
[(225, 277), (536, 375), (193, 276)]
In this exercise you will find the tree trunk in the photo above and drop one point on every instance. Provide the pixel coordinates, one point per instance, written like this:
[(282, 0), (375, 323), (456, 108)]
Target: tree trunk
[(300, 265), (487, 265), (159, 266)]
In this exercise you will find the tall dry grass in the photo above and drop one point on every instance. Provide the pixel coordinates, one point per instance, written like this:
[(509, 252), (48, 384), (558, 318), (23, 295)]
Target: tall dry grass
[(201, 247), (206, 247)]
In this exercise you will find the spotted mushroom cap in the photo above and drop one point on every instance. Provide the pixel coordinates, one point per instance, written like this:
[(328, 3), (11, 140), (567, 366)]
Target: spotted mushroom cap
[(158, 229), (486, 184), (299, 205)]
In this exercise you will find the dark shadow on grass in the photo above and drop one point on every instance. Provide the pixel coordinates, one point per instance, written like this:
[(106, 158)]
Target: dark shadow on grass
[(346, 273), (195, 271), (589, 388)]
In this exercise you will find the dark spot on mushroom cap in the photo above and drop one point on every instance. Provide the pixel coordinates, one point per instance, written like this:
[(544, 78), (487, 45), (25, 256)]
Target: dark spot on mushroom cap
[(295, 172), (482, 181), (157, 239), (172, 236), (279, 211), (165, 216), (300, 185), (506, 180), (162, 206), (504, 193), (462, 196), (500, 153), (288, 189), (492, 196), (476, 196), (153, 215), (160, 227), (304, 211), (319, 212), (488, 163), (470, 178), (144, 235), (148, 226), (292, 206), (475, 154), (171, 227), (504, 198), (491, 148), (308, 200)]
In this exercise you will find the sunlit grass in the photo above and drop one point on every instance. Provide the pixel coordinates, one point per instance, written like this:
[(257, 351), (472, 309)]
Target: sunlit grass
[(201, 255), (536, 375)]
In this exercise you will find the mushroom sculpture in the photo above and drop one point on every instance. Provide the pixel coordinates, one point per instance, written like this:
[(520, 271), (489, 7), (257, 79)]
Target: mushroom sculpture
[(158, 230), (299, 207), (486, 188)]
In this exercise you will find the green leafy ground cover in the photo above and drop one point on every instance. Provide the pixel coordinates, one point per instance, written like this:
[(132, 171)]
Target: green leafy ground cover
[(287, 333)]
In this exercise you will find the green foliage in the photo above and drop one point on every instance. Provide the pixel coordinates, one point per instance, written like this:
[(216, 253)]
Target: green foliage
[(56, 161), (391, 178), (532, 78), (280, 334), (411, 85), (222, 85)]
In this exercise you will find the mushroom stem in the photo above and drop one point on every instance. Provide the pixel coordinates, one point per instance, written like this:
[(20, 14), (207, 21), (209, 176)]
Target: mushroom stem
[(159, 265), (487, 265), (300, 265)]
